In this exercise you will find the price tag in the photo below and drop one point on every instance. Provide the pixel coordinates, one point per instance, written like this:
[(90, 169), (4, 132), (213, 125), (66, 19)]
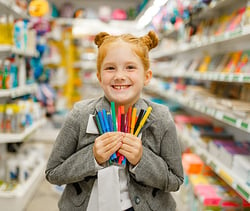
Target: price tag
[(215, 76), (210, 76), (225, 176), (243, 192), (210, 111), (246, 78), (197, 106), (230, 77), (240, 79), (238, 123), (222, 77), (218, 115)]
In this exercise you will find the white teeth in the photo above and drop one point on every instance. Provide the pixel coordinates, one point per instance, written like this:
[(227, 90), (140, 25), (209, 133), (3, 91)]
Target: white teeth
[(120, 87)]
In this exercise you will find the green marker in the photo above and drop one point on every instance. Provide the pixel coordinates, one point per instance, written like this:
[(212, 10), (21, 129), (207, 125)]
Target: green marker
[(113, 115)]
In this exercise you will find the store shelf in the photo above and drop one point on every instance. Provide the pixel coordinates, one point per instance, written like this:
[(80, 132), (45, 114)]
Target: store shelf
[(7, 50), (10, 8), (27, 53), (86, 65), (209, 76), (18, 137), (212, 8), (229, 176), (210, 42), (220, 115), (19, 91), (17, 199), (217, 114)]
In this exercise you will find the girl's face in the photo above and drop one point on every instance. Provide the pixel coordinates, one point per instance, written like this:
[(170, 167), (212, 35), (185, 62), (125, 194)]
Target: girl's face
[(122, 75)]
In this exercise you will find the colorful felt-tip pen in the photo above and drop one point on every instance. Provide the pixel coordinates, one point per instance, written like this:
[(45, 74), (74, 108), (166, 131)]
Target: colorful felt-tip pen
[(133, 119), (123, 119), (98, 124), (100, 116), (149, 109), (128, 119), (105, 119), (140, 116), (113, 115)]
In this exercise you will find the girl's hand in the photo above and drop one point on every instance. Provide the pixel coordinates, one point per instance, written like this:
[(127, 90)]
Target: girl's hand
[(131, 148), (107, 144)]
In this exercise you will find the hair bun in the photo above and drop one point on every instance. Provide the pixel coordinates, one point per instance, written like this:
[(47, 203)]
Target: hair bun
[(99, 38), (150, 40)]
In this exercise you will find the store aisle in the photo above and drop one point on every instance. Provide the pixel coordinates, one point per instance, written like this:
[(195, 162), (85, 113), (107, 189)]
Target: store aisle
[(46, 196)]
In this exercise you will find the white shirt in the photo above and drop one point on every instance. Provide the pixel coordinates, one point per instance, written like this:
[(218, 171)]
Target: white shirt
[(125, 201)]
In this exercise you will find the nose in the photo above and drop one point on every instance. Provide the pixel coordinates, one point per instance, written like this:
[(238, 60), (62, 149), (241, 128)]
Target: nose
[(120, 74)]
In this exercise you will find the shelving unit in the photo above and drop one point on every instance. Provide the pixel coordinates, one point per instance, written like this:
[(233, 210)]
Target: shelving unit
[(213, 43), (224, 117), (15, 199), (183, 50), (9, 7), (229, 176), (19, 91), (19, 137), (211, 76)]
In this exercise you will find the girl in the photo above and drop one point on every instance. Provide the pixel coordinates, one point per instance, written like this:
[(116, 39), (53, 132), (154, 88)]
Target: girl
[(80, 158)]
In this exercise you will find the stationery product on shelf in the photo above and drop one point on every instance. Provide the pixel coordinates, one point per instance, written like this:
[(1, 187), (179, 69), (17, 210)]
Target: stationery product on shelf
[(243, 65), (215, 61), (205, 63), (246, 17), (241, 166), (223, 62), (192, 164), (233, 62)]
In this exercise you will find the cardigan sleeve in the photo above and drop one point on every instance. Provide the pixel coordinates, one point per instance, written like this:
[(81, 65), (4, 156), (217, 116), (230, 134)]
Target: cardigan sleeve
[(162, 170), (66, 164)]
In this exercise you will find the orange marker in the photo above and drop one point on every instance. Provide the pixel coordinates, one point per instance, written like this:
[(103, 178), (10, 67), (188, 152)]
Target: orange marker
[(133, 119)]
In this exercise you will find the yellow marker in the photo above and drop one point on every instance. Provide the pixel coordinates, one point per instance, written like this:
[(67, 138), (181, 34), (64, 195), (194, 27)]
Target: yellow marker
[(132, 126), (143, 120)]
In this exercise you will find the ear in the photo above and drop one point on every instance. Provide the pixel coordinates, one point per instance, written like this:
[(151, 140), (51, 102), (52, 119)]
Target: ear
[(148, 76)]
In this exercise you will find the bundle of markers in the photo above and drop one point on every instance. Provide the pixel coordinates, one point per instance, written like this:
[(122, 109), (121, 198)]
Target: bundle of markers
[(107, 121)]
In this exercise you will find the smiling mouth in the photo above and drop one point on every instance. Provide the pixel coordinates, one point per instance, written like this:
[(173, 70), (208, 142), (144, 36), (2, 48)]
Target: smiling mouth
[(120, 87)]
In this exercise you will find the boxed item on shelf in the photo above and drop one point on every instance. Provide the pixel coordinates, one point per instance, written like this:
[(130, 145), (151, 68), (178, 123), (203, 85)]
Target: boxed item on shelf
[(243, 65), (205, 134), (241, 166), (192, 163), (215, 145), (233, 62), (212, 193), (229, 150)]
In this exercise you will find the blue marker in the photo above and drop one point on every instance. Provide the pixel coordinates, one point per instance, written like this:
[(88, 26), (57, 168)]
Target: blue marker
[(102, 121), (106, 123), (110, 121)]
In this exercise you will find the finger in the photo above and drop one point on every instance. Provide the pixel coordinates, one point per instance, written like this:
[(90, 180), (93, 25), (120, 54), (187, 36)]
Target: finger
[(127, 148), (109, 137), (113, 144)]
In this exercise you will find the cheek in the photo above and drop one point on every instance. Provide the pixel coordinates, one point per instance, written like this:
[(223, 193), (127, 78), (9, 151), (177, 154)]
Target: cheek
[(105, 79)]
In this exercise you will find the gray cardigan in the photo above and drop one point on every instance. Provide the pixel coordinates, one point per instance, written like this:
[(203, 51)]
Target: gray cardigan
[(157, 174)]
